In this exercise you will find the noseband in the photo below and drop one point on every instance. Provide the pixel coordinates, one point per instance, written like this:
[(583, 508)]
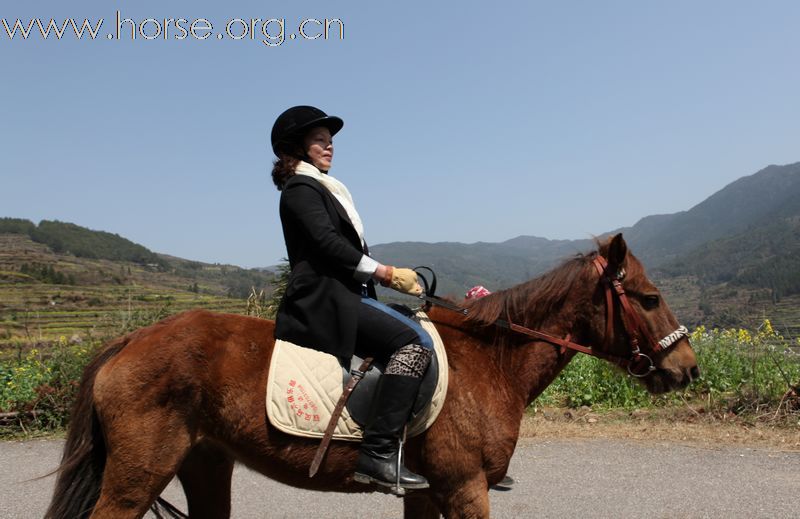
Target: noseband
[(639, 364)]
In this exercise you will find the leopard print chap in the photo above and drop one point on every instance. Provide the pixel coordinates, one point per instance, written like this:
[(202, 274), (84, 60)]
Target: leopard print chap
[(410, 360)]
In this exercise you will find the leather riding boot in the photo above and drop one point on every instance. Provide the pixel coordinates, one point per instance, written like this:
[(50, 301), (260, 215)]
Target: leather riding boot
[(377, 460)]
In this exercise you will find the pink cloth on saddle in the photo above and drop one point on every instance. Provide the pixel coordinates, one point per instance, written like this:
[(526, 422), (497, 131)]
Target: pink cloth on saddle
[(477, 292)]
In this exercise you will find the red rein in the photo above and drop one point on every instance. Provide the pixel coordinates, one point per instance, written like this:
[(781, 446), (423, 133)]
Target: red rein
[(634, 327)]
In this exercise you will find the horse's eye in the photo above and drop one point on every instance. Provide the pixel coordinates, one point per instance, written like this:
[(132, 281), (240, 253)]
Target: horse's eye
[(650, 301)]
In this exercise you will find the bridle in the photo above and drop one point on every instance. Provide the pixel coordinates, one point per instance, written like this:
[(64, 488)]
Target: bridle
[(638, 364), (634, 328)]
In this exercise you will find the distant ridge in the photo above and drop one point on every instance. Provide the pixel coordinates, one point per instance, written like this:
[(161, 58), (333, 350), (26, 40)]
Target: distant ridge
[(756, 201), (751, 201), (731, 259), (82, 242)]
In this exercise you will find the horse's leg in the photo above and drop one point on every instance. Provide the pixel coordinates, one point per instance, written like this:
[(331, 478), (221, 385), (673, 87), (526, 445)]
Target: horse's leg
[(418, 505), (206, 478), (470, 500), (143, 455)]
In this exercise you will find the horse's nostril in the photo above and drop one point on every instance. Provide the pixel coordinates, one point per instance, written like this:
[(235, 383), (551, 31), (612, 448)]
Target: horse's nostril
[(694, 372)]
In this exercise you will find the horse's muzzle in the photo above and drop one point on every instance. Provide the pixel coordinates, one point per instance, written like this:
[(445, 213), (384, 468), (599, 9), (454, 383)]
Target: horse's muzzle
[(666, 380)]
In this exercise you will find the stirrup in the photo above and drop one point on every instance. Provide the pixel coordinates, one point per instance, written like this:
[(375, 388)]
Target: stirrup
[(401, 440)]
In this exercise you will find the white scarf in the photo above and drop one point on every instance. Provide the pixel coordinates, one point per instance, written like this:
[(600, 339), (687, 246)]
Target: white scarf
[(338, 190)]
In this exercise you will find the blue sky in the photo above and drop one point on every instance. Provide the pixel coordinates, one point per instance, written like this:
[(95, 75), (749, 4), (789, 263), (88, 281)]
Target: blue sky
[(475, 123)]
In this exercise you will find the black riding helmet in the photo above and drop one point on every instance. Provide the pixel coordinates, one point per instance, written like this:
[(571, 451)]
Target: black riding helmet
[(290, 126)]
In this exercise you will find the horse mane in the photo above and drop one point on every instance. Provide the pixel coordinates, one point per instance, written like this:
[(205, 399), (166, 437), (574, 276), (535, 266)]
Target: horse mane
[(531, 302)]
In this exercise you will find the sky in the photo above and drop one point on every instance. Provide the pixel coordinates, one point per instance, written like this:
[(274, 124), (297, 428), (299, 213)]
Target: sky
[(468, 121)]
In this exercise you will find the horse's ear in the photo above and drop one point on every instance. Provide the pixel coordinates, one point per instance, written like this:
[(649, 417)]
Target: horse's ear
[(617, 250)]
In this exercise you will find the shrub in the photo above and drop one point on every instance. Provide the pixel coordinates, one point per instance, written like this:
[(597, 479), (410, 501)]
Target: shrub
[(42, 387), (588, 381), (740, 371), (743, 370)]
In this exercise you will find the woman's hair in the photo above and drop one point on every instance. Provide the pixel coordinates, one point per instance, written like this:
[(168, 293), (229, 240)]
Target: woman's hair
[(283, 168)]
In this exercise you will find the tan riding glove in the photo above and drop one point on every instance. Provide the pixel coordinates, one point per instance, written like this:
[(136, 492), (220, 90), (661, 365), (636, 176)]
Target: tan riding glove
[(403, 280)]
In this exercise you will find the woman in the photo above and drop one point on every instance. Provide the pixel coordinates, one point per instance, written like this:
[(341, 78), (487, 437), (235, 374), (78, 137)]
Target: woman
[(330, 303)]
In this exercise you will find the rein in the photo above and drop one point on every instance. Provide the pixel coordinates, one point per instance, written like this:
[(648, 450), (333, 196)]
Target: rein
[(634, 327)]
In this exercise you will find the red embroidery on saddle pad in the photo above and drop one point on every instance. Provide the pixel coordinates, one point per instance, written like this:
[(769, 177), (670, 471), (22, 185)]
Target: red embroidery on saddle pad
[(300, 403)]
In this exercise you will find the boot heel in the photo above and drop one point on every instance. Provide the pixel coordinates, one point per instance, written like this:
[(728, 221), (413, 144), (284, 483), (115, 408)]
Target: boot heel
[(363, 478)]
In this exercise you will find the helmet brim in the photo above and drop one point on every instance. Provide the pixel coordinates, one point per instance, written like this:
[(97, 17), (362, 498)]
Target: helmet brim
[(331, 122)]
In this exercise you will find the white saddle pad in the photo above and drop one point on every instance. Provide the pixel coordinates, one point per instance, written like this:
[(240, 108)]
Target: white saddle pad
[(304, 385)]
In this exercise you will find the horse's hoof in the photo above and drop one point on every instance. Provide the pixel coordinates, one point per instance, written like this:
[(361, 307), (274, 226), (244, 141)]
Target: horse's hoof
[(505, 484)]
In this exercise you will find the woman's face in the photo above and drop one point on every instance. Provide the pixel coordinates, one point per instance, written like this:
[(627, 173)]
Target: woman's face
[(318, 144)]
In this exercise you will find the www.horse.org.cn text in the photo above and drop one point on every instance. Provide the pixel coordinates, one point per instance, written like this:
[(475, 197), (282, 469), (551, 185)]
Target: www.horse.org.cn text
[(272, 32)]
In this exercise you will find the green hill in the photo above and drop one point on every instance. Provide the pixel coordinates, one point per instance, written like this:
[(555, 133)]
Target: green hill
[(47, 290), (763, 257), (68, 238)]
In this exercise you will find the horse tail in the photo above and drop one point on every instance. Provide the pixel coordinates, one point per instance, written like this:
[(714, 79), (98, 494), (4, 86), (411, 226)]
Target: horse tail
[(80, 473)]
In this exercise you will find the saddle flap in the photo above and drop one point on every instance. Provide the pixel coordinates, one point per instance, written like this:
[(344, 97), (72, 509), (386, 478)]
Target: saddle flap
[(360, 400)]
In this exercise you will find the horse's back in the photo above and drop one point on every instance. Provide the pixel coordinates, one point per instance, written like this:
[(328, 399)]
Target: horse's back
[(185, 359)]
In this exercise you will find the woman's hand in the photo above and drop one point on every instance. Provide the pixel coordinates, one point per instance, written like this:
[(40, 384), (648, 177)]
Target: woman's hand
[(401, 279)]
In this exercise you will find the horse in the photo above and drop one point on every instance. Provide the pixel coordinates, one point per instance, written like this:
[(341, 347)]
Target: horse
[(185, 396)]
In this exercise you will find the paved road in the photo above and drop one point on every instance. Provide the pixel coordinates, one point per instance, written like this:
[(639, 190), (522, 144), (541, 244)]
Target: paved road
[(600, 478)]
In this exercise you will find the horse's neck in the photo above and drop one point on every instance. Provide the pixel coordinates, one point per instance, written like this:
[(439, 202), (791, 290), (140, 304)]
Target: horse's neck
[(522, 367), (533, 365)]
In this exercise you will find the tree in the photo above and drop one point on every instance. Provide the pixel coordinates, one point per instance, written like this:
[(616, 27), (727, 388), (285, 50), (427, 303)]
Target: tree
[(259, 305)]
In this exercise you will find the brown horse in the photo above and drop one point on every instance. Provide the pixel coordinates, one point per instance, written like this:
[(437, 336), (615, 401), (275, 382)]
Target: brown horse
[(185, 397)]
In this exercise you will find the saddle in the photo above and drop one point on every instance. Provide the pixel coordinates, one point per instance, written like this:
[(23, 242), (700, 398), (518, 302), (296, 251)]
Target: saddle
[(304, 385)]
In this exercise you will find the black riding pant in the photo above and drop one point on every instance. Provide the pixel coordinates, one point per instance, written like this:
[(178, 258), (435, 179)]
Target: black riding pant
[(383, 330)]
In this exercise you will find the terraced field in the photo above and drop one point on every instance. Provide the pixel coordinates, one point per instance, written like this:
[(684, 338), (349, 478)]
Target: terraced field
[(41, 313), (106, 298), (729, 307)]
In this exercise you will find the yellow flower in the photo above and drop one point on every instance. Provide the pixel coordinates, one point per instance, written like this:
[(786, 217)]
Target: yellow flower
[(744, 336), (698, 333), (767, 327)]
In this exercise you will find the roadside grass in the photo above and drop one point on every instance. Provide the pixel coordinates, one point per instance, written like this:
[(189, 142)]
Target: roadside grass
[(742, 372), (751, 376), (37, 389)]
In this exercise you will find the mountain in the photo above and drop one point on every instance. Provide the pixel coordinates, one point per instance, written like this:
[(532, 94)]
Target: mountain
[(769, 199), (750, 202), (730, 260), (460, 266)]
